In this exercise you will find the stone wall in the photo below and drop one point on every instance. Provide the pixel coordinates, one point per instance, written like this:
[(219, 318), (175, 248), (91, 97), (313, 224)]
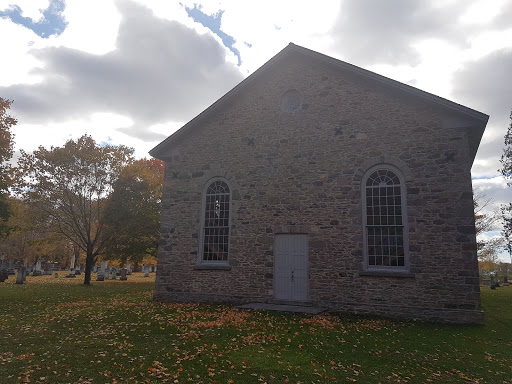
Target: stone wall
[(301, 172)]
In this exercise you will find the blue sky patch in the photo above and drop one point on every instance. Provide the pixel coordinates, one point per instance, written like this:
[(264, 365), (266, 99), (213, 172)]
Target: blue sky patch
[(52, 23), (213, 24)]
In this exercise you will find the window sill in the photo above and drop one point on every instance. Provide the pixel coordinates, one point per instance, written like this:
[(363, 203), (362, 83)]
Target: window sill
[(382, 273), (219, 267)]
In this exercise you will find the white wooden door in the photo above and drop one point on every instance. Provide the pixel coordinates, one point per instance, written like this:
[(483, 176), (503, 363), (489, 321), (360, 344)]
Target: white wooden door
[(291, 280)]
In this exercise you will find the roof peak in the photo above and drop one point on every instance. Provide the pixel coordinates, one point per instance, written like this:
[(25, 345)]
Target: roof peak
[(292, 47)]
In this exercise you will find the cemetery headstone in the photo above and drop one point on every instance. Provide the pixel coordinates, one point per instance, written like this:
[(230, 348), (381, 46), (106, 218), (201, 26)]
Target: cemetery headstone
[(123, 275), (47, 270), (101, 272), (37, 271), (128, 269), (71, 270), (19, 276), (10, 268), (71, 273)]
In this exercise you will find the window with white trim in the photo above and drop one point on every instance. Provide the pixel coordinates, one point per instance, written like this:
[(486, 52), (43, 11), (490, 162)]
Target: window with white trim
[(385, 220), (215, 224)]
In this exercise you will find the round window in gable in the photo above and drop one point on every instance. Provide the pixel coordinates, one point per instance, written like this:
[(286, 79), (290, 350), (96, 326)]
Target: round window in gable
[(291, 101)]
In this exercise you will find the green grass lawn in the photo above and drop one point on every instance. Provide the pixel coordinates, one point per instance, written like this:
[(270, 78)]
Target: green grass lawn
[(60, 331)]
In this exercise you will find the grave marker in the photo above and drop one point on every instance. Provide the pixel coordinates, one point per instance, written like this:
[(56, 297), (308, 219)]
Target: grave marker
[(10, 268), (19, 277), (101, 272), (37, 271)]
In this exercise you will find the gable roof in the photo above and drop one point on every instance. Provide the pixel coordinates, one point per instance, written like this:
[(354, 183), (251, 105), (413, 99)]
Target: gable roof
[(478, 119)]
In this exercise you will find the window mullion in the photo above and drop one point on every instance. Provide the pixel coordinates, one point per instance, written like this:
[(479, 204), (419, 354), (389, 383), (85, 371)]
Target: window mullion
[(384, 223), (215, 232)]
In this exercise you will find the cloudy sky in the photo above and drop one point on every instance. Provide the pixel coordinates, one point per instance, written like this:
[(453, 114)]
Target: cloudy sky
[(133, 71)]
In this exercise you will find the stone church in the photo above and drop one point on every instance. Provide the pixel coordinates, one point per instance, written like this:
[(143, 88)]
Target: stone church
[(317, 182)]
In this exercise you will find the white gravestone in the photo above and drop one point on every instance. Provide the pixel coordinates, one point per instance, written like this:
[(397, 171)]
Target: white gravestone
[(101, 272), (37, 271)]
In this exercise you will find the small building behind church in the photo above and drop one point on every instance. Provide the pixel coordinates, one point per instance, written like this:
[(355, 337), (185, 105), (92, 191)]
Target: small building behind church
[(317, 182)]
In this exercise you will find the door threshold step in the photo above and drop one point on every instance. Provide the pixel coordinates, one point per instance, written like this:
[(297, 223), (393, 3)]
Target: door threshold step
[(302, 303), (296, 308)]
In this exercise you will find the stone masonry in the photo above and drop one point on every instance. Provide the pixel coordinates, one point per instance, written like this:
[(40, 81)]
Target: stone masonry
[(301, 172)]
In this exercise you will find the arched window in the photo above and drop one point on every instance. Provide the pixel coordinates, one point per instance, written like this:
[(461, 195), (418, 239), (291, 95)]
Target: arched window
[(385, 219), (215, 223)]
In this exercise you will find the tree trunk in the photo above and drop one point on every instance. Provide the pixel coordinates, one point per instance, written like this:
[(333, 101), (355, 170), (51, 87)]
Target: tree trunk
[(89, 260)]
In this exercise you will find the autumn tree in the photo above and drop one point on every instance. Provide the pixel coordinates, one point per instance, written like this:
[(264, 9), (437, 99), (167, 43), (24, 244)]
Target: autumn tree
[(488, 255), (507, 229), (506, 171), (6, 151), (53, 247), (486, 217), (134, 209), (21, 243), (71, 186)]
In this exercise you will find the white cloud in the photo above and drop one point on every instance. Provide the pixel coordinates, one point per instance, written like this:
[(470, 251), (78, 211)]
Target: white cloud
[(482, 12), (486, 43), (17, 63), (106, 127), (371, 32), (484, 85), (92, 26), (160, 72)]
